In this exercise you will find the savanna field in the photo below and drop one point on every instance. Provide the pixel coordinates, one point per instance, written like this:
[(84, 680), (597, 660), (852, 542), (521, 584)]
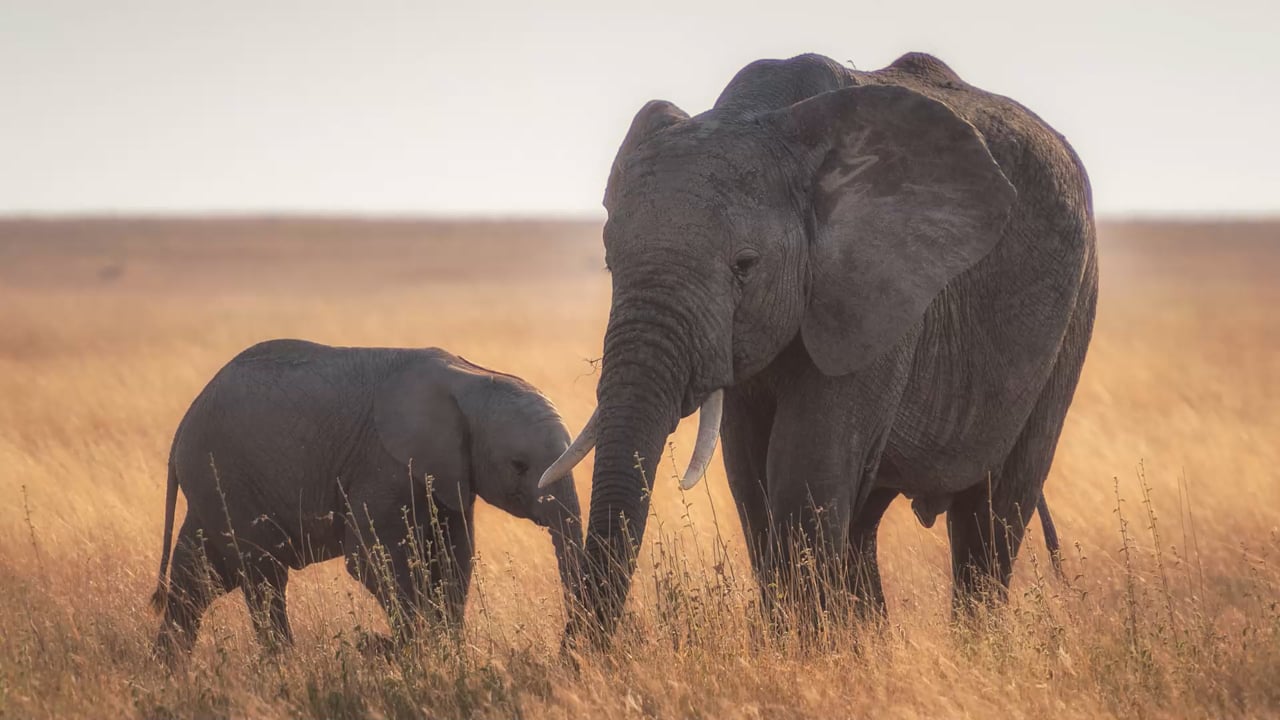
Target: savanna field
[(1165, 490)]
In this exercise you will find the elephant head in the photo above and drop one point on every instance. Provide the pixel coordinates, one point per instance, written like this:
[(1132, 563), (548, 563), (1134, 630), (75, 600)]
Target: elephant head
[(524, 437), (478, 432), (828, 221)]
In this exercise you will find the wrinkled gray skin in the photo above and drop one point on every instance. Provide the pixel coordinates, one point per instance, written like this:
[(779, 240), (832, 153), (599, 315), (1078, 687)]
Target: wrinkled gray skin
[(312, 447), (891, 274)]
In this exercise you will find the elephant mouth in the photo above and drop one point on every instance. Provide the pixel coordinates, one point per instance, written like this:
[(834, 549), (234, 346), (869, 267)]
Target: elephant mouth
[(694, 398), (710, 408), (691, 401)]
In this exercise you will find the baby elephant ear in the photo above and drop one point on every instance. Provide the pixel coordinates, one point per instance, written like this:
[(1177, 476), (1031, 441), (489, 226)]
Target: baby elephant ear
[(654, 117), (421, 427), (905, 197)]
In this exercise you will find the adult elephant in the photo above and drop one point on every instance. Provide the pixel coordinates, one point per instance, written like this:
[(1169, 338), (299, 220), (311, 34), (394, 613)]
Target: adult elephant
[(885, 281)]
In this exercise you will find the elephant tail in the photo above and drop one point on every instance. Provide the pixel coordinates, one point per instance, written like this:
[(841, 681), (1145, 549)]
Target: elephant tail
[(1050, 535), (160, 597)]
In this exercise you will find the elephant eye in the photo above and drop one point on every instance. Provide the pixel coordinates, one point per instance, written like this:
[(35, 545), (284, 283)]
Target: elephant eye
[(744, 262), (521, 467)]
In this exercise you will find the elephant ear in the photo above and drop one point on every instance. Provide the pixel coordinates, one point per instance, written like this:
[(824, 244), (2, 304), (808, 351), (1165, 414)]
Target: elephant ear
[(905, 197), (654, 117), (422, 428)]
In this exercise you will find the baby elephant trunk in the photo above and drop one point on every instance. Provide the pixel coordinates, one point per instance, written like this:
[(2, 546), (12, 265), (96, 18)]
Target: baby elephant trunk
[(561, 514)]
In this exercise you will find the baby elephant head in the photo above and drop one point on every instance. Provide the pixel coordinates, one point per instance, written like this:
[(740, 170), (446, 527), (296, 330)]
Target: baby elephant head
[(520, 437), (478, 432)]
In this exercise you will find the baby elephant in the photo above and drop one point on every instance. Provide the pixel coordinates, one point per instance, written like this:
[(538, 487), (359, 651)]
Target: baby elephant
[(297, 453)]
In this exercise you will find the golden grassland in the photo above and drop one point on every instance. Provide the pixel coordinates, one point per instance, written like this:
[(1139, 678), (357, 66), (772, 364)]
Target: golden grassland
[(1166, 491)]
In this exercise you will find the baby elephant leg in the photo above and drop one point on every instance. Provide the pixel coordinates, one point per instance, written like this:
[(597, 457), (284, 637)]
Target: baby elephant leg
[(416, 576), (198, 575), (450, 549), (264, 592)]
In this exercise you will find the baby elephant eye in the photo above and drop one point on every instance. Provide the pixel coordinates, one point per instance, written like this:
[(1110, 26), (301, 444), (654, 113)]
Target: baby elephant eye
[(521, 467), (743, 263)]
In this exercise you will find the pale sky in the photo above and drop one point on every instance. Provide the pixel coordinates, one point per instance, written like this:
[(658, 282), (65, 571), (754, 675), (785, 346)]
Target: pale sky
[(472, 107)]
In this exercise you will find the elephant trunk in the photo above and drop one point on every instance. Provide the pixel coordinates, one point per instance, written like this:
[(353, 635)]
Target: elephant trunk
[(643, 389), (565, 523)]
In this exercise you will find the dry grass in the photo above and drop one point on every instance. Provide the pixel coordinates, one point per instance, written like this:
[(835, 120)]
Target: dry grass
[(1166, 492)]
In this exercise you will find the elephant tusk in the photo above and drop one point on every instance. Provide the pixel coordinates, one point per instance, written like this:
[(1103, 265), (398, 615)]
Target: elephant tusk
[(705, 446), (573, 455)]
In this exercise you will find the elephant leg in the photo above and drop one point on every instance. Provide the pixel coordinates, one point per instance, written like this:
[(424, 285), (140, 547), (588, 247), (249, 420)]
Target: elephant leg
[(745, 435), (198, 575), (383, 554), (824, 454), (264, 593), (987, 522), (805, 560), (388, 573), (810, 504), (864, 570), (426, 577), (450, 576)]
